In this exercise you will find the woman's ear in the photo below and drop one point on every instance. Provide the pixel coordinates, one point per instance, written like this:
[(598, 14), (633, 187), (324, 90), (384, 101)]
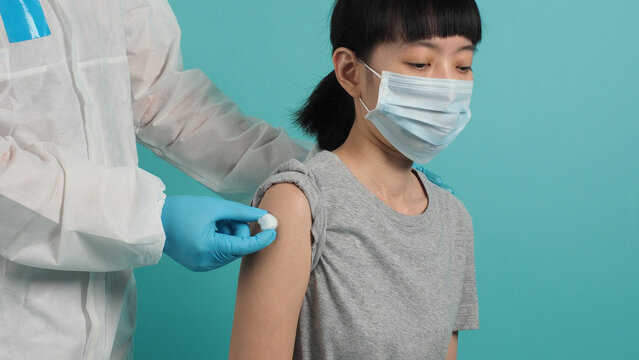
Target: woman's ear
[(346, 71)]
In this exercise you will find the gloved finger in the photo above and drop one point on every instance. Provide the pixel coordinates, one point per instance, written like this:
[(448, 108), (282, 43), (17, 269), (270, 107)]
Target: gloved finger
[(242, 246), (434, 178), (239, 212), (240, 228), (446, 187), (225, 227)]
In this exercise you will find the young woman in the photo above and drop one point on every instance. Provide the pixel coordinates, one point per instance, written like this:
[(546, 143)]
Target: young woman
[(372, 261)]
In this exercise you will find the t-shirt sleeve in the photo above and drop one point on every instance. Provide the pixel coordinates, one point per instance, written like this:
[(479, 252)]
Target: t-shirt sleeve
[(297, 173), (468, 311)]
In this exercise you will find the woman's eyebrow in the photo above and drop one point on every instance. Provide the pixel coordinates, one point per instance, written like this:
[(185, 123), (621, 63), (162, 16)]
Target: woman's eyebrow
[(430, 45), (472, 48)]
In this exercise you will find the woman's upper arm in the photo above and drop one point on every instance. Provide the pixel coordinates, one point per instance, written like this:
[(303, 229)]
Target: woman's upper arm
[(452, 347), (272, 282)]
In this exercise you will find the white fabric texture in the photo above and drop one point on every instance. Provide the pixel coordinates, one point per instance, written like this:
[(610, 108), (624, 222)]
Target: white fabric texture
[(76, 212)]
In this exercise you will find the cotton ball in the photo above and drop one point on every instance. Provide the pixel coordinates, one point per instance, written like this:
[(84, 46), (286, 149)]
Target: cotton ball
[(267, 222)]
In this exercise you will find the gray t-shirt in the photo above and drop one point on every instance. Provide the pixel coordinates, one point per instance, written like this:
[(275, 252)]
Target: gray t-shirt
[(383, 285)]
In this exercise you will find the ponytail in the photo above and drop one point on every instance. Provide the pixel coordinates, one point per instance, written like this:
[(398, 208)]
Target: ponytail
[(328, 114)]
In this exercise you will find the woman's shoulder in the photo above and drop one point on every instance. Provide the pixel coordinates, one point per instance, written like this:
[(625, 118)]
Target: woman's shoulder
[(305, 176), (450, 206), (302, 174)]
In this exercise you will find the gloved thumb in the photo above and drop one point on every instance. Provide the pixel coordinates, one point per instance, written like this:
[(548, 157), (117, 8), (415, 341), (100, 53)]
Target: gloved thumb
[(250, 244), (238, 212)]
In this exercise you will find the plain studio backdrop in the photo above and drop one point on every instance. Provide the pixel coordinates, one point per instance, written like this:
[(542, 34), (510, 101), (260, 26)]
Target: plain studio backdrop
[(548, 168)]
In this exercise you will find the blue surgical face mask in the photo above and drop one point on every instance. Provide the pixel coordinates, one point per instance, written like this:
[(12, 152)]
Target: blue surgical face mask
[(420, 116)]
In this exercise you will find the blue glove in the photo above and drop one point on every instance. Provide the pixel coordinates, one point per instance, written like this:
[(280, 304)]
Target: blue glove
[(205, 233), (435, 179)]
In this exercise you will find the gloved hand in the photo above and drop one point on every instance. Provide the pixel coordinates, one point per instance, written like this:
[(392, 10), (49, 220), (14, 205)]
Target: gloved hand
[(205, 233), (435, 179)]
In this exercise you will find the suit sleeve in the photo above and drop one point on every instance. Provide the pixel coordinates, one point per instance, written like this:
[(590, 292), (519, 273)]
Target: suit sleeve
[(185, 119), (60, 211)]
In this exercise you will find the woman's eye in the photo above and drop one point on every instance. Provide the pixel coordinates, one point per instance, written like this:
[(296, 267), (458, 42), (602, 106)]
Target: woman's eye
[(420, 66), (465, 68)]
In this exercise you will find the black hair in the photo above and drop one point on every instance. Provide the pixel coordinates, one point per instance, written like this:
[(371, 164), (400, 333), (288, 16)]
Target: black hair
[(361, 25)]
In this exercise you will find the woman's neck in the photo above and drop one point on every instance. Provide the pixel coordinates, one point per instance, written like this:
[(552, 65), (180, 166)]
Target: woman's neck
[(382, 170)]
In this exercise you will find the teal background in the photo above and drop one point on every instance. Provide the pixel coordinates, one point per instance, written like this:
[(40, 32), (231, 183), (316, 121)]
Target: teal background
[(548, 167)]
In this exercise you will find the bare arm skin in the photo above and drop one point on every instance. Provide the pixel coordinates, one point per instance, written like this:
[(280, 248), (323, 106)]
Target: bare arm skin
[(452, 347), (272, 282)]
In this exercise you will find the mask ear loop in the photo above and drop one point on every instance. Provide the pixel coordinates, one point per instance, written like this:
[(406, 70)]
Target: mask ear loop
[(376, 74), (371, 69), (364, 105)]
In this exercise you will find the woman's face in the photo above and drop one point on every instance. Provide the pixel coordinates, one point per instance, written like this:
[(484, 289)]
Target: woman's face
[(441, 58)]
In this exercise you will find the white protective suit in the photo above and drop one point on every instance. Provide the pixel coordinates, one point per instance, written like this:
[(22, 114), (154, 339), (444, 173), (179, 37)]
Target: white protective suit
[(76, 213)]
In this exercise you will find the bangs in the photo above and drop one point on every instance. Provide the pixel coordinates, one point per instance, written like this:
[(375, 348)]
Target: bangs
[(411, 20), (414, 20)]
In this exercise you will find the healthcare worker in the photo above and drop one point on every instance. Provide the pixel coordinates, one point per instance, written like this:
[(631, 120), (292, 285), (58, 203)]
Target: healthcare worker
[(80, 82)]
